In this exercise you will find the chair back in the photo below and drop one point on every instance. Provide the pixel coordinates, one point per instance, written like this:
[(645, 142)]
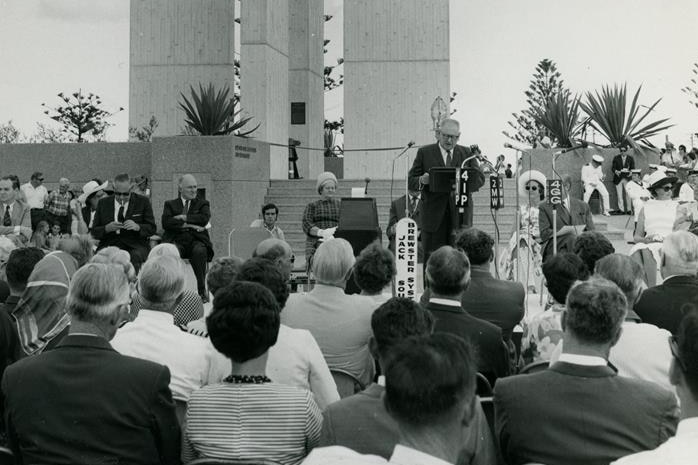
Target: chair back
[(535, 367), (347, 383), (487, 404), (207, 461), (6, 456), (243, 241), (483, 388)]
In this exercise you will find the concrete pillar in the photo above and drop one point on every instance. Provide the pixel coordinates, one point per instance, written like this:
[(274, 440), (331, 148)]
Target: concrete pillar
[(396, 62), (264, 75), (305, 81), (176, 44)]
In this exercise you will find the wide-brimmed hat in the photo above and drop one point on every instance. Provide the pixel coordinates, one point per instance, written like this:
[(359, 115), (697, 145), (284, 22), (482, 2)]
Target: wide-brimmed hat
[(323, 178), (659, 178), (90, 188), (531, 175), (597, 158)]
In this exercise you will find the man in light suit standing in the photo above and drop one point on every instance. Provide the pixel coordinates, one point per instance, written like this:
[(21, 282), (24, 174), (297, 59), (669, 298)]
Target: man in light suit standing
[(15, 217), (439, 216)]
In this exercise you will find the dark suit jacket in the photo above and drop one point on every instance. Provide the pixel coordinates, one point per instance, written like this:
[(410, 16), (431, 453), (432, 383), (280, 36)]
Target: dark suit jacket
[(617, 165), (492, 353), (139, 210), (434, 204), (361, 423), (199, 214), (578, 215), (495, 300), (397, 212), (662, 305), (84, 403), (580, 415)]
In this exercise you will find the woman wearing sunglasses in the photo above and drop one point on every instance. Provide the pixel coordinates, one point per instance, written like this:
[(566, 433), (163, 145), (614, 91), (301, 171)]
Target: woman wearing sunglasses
[(654, 223), (528, 260)]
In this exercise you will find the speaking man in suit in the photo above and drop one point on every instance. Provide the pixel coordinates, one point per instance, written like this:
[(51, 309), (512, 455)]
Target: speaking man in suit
[(83, 402), (573, 217), (16, 215), (579, 411), (439, 216), (397, 212), (184, 220), (622, 166), (124, 220)]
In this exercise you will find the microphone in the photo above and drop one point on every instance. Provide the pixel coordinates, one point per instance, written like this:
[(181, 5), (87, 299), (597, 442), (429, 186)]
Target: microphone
[(582, 145), (367, 180), (409, 145), (520, 148)]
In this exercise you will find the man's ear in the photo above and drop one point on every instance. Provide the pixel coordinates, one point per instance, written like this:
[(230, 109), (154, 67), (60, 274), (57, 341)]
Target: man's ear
[(468, 412), (675, 375), (563, 320)]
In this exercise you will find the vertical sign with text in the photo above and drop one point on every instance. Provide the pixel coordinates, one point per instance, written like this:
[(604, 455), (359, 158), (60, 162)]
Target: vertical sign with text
[(496, 192), (406, 258), (554, 191)]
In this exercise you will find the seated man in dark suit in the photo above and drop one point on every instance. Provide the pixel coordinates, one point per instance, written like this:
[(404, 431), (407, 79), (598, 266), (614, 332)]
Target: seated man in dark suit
[(184, 220), (573, 217), (448, 276), (397, 212), (579, 411), (361, 422), (432, 403), (124, 220), (662, 305), (495, 300), (83, 402), (15, 215)]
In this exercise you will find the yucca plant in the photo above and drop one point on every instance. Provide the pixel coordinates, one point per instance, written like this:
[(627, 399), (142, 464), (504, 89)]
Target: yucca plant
[(607, 114), (560, 117), (213, 113)]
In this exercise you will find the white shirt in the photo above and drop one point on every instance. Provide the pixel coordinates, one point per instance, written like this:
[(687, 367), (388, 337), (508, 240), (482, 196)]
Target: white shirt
[(2, 214), (444, 154), (35, 195), (402, 455), (295, 360), (153, 336), (636, 191), (686, 193), (682, 449), (591, 175), (117, 205)]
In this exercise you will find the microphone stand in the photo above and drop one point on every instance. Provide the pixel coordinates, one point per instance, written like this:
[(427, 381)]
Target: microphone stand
[(407, 175)]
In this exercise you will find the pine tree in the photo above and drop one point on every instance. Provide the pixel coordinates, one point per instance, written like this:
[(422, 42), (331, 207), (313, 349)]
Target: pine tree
[(546, 83)]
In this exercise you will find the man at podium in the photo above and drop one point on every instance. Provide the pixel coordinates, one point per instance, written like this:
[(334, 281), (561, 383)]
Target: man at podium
[(439, 217)]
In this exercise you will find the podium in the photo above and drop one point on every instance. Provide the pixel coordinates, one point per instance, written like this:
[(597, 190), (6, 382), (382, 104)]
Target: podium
[(461, 182), (358, 224)]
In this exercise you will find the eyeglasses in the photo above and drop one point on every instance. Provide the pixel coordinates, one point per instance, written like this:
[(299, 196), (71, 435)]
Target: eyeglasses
[(667, 188), (40, 179), (450, 136), (674, 346), (122, 194), (531, 188)]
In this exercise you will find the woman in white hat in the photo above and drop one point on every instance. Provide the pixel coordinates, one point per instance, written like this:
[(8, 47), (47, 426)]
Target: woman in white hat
[(321, 217), (86, 205), (654, 223), (528, 259)]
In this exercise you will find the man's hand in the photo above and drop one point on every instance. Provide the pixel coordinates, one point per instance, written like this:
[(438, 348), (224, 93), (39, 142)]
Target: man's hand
[(198, 327), (25, 231), (131, 225), (617, 172), (424, 179), (182, 217), (113, 226), (195, 227)]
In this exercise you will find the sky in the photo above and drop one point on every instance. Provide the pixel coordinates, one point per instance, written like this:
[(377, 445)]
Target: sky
[(49, 46)]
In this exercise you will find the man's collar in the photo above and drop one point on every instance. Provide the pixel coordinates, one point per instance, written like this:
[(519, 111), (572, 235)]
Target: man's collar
[(584, 360), (155, 315), (404, 455), (445, 301), (9, 204)]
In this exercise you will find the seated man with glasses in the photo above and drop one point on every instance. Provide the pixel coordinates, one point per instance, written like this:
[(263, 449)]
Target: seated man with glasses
[(125, 220)]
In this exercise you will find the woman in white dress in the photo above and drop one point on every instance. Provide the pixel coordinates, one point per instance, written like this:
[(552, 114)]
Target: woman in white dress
[(528, 260), (655, 222)]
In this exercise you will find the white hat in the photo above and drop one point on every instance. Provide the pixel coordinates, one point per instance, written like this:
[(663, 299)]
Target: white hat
[(531, 175), (90, 188), (658, 178), (597, 158)]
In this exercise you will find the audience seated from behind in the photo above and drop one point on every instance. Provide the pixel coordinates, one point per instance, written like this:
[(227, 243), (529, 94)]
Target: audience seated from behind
[(448, 276), (681, 449), (189, 305), (247, 416), (579, 411), (279, 252), (340, 323), (662, 305), (543, 332), (295, 359), (374, 271), (642, 352), (41, 316), (84, 403), (153, 336), (591, 246), (433, 405), (361, 422)]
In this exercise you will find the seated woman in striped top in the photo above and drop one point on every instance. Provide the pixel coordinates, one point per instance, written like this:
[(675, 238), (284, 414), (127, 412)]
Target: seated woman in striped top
[(247, 416)]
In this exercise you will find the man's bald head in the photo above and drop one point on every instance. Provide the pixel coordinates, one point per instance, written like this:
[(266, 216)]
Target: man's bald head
[(278, 251), (188, 187)]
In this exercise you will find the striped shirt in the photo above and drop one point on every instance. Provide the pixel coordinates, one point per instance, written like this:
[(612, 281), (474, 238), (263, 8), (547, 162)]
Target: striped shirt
[(251, 422)]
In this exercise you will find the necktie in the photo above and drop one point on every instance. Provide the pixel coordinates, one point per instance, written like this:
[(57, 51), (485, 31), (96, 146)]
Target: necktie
[(186, 207), (6, 220), (120, 214), (448, 158)]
